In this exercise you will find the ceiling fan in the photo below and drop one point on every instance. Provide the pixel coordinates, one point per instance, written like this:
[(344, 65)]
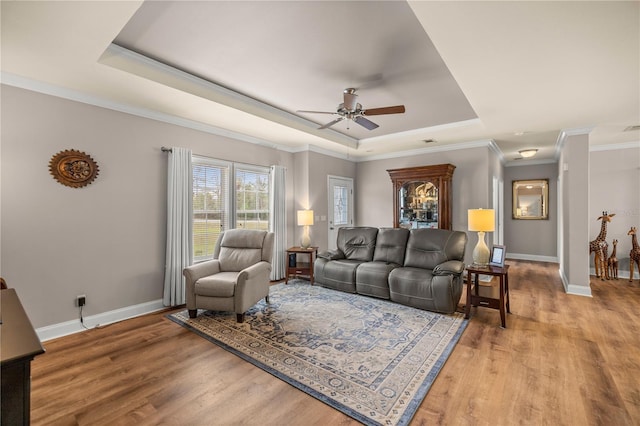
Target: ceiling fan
[(350, 109)]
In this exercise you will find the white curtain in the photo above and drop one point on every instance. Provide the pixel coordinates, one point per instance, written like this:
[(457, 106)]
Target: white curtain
[(278, 221), (179, 252)]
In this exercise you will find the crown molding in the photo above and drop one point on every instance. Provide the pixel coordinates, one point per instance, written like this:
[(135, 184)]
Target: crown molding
[(429, 150), (72, 95), (562, 138), (134, 63)]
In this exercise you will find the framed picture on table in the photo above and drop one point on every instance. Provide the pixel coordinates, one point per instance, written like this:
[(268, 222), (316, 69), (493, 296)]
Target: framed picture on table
[(498, 254)]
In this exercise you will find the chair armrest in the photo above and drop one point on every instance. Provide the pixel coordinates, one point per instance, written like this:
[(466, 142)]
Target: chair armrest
[(194, 272), (449, 267), (331, 255), (253, 271), (253, 284)]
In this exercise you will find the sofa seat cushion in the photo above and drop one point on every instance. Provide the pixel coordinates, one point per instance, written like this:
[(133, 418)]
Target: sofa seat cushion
[(419, 288), (337, 274), (372, 279), (222, 284)]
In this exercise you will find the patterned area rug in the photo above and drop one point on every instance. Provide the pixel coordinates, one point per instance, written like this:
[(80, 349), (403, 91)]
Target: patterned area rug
[(372, 359)]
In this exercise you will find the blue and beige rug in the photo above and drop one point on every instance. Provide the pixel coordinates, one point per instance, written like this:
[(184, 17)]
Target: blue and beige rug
[(374, 360)]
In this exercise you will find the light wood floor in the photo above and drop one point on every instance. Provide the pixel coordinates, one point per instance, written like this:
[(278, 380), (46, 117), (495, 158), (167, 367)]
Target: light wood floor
[(562, 360)]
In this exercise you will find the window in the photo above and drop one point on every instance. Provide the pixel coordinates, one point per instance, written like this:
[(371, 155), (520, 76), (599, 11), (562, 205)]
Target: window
[(340, 213), (217, 206), (252, 199)]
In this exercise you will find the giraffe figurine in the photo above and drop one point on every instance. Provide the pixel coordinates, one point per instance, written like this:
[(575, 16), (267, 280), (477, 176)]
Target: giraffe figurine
[(612, 262), (634, 254), (600, 247)]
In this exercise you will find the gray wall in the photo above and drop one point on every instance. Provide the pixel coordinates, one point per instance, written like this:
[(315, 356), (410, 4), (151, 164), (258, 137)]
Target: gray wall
[(320, 167), (573, 170), (615, 187), (374, 198), (105, 240), (532, 239)]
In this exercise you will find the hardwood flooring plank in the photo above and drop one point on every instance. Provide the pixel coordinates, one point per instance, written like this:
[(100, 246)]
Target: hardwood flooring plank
[(562, 360)]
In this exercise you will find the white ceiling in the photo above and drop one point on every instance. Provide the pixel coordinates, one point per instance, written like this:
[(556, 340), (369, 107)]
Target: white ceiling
[(516, 73)]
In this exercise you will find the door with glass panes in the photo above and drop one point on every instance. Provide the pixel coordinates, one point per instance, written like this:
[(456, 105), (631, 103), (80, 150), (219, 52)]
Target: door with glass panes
[(340, 207)]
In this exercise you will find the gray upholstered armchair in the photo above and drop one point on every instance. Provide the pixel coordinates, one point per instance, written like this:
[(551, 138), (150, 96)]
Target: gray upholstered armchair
[(237, 277)]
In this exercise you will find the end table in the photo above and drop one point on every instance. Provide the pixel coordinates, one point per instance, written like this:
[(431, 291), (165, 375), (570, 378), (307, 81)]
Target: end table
[(301, 268), (486, 296)]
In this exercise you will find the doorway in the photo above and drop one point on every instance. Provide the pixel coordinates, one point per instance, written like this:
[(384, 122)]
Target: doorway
[(340, 203)]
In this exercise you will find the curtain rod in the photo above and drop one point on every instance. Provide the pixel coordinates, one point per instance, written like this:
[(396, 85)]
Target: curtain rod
[(165, 149)]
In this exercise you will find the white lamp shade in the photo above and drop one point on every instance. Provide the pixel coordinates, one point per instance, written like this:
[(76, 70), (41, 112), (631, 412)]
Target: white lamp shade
[(305, 217), (481, 220)]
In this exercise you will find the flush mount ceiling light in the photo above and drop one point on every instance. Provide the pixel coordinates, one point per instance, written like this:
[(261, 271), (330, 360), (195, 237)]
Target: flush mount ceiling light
[(528, 153)]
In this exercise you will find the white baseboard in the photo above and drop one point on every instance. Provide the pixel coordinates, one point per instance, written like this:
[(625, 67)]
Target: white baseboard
[(532, 257), (69, 327), (577, 290)]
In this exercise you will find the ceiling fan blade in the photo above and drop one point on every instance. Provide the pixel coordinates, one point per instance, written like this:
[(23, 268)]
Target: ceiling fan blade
[(369, 125), (326, 126), (315, 112), (398, 109)]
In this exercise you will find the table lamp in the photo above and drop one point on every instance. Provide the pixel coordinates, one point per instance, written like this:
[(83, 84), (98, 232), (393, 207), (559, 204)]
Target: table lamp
[(481, 221), (305, 218)]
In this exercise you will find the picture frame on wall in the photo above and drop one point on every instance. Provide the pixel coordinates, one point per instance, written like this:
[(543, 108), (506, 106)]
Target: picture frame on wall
[(498, 253)]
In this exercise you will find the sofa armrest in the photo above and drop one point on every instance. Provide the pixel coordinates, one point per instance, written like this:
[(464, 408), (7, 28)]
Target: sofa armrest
[(331, 255), (454, 267)]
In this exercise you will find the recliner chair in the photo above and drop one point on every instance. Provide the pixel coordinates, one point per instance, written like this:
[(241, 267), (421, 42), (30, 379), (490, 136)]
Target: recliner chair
[(237, 277)]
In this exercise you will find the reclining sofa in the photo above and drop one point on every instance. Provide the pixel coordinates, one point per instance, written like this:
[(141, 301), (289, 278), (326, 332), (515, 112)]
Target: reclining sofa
[(419, 267)]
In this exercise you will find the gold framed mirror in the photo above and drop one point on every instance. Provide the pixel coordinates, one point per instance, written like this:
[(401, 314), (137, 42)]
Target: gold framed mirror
[(531, 199)]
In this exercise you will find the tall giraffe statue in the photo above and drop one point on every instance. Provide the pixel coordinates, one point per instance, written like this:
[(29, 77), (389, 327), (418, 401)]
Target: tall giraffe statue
[(600, 247), (634, 254), (612, 262)]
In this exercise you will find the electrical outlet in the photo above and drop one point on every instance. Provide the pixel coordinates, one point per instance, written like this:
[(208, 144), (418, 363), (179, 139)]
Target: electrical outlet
[(81, 300)]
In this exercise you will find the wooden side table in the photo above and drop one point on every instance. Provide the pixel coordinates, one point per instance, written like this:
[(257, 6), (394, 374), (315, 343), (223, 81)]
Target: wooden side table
[(486, 296), (301, 267)]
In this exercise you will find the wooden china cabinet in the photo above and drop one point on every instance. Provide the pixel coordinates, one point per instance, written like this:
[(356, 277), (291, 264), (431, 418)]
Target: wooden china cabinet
[(422, 196)]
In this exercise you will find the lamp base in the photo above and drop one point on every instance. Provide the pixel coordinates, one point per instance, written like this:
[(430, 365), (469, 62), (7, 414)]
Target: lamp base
[(305, 241), (481, 252)]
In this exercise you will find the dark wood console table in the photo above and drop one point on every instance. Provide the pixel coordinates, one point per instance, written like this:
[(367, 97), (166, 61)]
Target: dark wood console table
[(20, 344), (488, 296)]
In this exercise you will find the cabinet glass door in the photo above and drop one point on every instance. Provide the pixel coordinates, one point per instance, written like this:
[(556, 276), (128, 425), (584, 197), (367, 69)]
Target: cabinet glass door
[(418, 205)]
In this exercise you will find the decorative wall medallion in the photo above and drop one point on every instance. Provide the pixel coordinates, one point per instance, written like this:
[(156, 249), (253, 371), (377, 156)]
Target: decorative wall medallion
[(73, 168)]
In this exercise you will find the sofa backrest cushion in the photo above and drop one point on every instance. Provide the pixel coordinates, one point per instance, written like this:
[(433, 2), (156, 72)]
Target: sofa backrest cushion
[(357, 243), (238, 249), (427, 248), (390, 245)]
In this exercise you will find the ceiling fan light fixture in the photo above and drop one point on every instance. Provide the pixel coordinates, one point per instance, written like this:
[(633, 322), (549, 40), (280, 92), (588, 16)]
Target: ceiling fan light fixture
[(528, 153), (350, 99), (350, 109)]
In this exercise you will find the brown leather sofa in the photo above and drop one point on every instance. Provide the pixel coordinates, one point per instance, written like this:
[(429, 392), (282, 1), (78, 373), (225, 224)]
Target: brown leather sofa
[(419, 267)]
